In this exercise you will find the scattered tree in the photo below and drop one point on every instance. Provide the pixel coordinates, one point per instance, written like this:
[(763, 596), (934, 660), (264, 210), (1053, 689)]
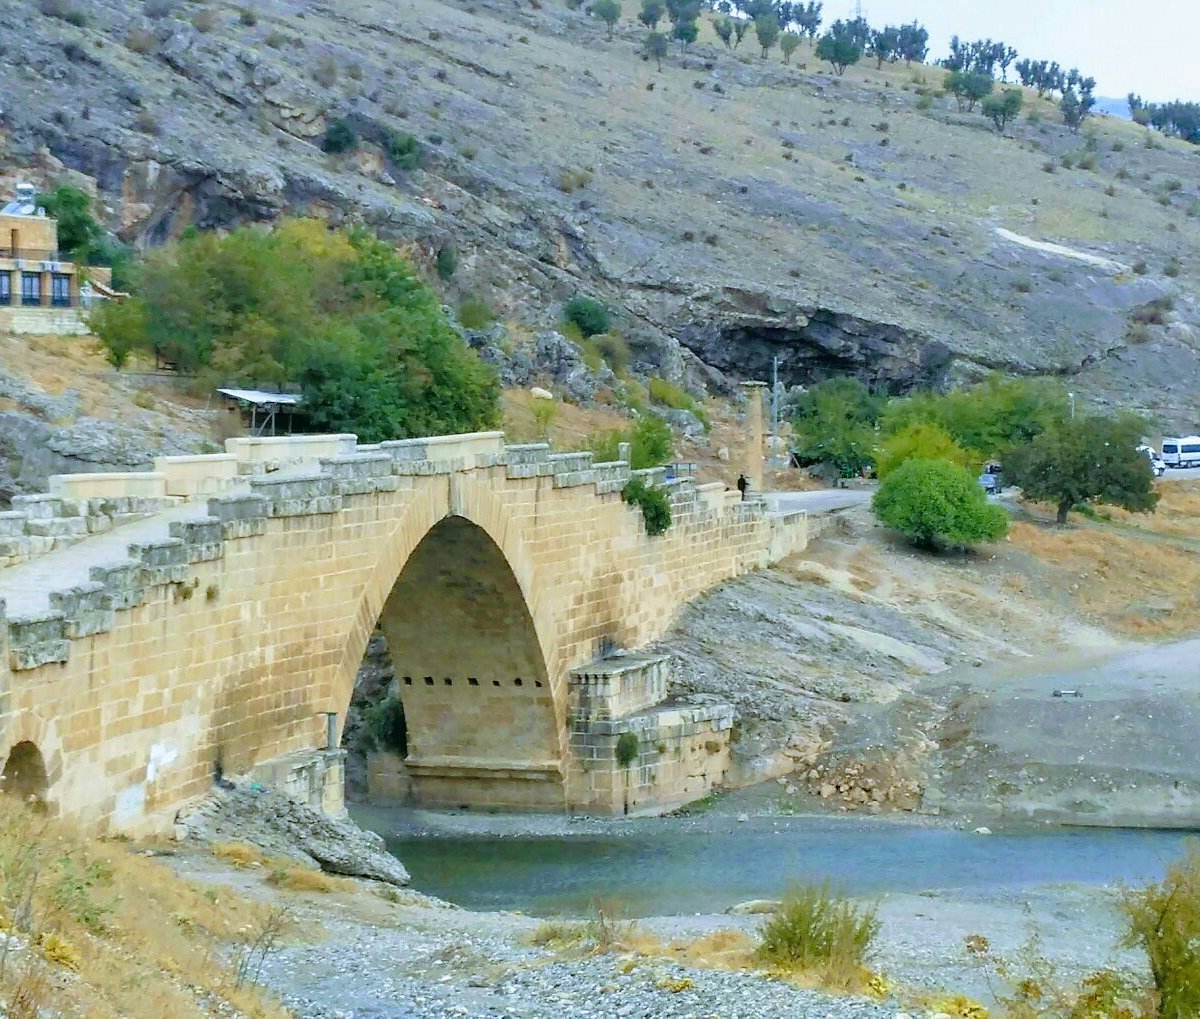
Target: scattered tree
[(78, 230), (885, 45), (686, 32), (339, 137), (934, 502), (1085, 459), (723, 26), (1002, 108), (1077, 100), (766, 28), (914, 43), (655, 45), (740, 27), (969, 87), (608, 11), (808, 19), (843, 44), (1176, 118), (652, 13), (787, 44)]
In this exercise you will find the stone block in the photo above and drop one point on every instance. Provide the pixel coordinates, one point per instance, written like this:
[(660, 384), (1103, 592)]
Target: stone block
[(12, 524), (56, 527), (37, 640), (87, 609), (527, 453), (203, 538), (122, 581)]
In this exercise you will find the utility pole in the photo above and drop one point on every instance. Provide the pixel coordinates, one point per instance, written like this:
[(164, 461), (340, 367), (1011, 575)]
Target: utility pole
[(774, 400)]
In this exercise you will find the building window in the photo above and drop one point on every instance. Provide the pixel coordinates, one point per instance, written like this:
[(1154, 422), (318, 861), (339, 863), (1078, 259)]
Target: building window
[(31, 288), (60, 290), (5, 288)]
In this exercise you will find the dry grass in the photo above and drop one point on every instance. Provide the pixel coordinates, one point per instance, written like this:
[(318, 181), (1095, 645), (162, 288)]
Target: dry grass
[(139, 942), (305, 879), (1132, 585), (240, 854), (1177, 513)]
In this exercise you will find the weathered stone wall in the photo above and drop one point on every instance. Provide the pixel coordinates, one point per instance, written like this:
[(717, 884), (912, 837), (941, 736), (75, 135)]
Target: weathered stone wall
[(218, 647)]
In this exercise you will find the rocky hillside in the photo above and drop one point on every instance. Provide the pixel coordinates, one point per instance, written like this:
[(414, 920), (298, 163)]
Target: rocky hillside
[(729, 208)]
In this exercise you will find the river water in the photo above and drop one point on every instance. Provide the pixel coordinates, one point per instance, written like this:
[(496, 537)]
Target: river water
[(705, 863)]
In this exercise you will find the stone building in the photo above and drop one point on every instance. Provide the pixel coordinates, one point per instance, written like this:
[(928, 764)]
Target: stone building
[(40, 292)]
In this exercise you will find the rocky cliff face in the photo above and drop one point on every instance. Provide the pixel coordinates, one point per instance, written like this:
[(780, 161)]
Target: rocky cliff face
[(728, 208)]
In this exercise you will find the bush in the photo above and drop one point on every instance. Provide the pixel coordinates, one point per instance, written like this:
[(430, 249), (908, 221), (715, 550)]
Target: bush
[(386, 724), (1164, 920), (656, 511), (1140, 267), (589, 315), (834, 424), (934, 502), (818, 932), (627, 745), (64, 10), (138, 40), (403, 149), (339, 137), (919, 441), (573, 180), (447, 262), (247, 17), (667, 394), (205, 20), (1173, 267), (339, 312), (614, 350), (155, 9), (475, 313), (326, 72)]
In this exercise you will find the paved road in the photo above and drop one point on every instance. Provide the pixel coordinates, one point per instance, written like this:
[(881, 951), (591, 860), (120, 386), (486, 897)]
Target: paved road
[(1182, 475), (822, 501)]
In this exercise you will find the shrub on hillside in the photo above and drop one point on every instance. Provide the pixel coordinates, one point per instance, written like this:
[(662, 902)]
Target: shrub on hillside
[(935, 502), (475, 313), (650, 440), (918, 441), (655, 506), (337, 311), (403, 149), (387, 726), (339, 137), (447, 262), (817, 932), (588, 314)]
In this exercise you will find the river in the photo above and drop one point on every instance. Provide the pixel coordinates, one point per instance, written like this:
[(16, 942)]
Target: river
[(705, 863)]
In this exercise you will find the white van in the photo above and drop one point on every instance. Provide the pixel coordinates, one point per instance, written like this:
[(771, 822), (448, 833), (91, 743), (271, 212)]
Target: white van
[(1181, 452)]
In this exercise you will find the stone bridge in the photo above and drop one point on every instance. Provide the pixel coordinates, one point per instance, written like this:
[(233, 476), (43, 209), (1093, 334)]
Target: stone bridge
[(160, 629)]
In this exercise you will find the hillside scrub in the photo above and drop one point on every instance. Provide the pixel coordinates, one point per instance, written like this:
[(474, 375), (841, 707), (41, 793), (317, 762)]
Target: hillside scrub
[(338, 312), (834, 422), (1089, 459), (650, 439), (935, 502), (656, 512)]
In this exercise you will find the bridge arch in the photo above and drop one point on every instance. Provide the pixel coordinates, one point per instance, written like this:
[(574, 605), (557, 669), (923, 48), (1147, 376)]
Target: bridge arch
[(25, 775), (474, 663)]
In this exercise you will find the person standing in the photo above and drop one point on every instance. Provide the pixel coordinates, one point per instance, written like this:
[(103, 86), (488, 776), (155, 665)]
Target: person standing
[(742, 485)]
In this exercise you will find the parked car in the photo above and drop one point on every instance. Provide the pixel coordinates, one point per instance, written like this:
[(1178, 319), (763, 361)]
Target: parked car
[(1156, 462), (1181, 451)]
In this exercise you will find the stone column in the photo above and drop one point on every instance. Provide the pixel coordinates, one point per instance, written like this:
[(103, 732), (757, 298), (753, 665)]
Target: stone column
[(45, 285), (753, 468)]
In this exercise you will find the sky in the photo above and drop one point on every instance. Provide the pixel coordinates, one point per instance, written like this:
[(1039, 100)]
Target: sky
[(1143, 46)]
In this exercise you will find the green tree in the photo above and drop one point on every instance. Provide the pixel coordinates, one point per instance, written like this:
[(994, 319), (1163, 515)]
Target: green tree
[(919, 441), (723, 26), (935, 502), (652, 13), (1164, 921), (842, 45), (969, 87), (834, 423), (766, 28), (655, 45), (788, 43), (78, 231), (1086, 459), (655, 506), (740, 27), (914, 43), (985, 419), (1002, 108), (588, 314), (340, 312), (608, 11), (885, 45), (686, 32)]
